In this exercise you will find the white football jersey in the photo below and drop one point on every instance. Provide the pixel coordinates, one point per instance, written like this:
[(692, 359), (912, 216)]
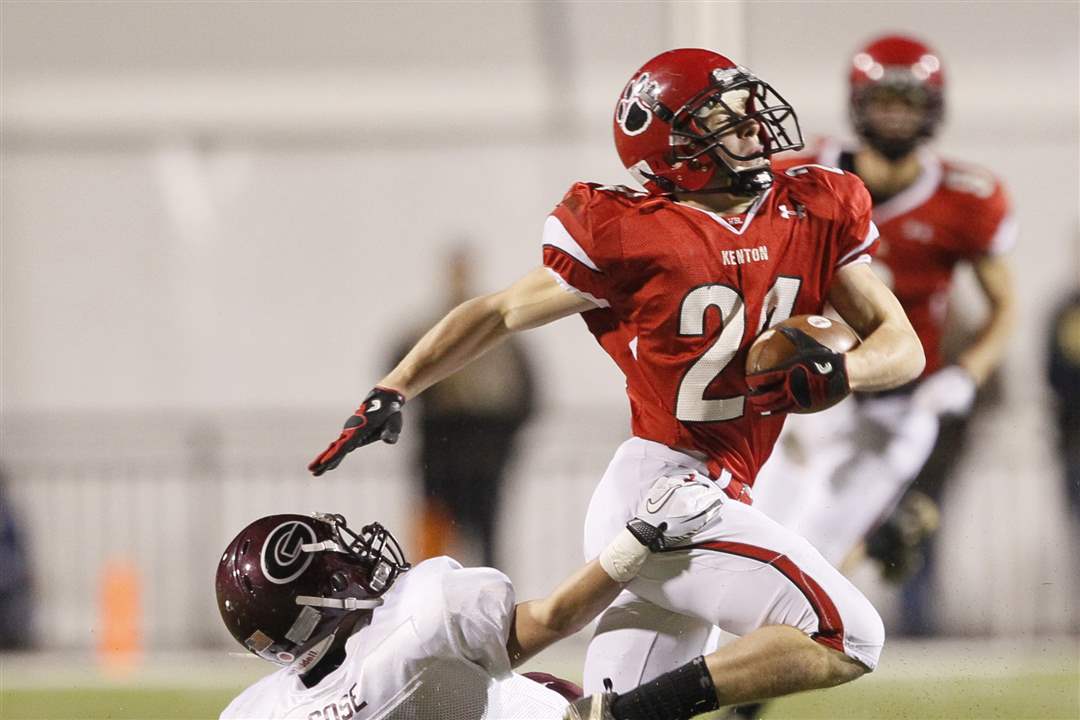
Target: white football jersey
[(436, 650)]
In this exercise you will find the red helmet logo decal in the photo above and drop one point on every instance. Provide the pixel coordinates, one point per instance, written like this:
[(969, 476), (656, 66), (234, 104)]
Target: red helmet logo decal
[(634, 113), (283, 557)]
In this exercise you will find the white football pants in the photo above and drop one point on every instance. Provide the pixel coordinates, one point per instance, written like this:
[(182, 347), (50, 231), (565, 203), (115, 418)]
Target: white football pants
[(742, 572), (833, 475)]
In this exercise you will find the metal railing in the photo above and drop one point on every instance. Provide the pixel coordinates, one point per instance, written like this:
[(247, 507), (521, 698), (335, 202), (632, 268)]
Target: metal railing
[(159, 495)]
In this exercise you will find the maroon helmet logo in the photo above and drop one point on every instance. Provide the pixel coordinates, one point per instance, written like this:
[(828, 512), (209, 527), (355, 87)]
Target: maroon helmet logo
[(634, 113), (283, 558)]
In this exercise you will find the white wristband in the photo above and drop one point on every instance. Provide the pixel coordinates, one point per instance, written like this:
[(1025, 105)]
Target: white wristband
[(623, 557)]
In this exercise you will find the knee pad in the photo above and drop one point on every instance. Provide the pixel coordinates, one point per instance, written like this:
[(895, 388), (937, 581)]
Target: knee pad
[(864, 633)]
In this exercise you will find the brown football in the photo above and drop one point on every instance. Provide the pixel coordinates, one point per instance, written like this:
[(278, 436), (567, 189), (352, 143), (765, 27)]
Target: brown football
[(772, 350)]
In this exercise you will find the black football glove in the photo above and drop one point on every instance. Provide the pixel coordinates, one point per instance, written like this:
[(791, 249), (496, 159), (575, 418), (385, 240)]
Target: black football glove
[(592, 707), (377, 418), (899, 543), (813, 377)]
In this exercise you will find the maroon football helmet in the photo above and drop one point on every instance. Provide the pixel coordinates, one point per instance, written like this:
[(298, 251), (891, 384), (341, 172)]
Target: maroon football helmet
[(286, 582), (664, 146), (897, 66)]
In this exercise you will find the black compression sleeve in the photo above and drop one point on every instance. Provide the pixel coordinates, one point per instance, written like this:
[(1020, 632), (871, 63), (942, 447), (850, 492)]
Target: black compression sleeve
[(678, 695)]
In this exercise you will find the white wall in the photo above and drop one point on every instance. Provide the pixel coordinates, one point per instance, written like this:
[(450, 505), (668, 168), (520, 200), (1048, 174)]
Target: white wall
[(229, 207), (156, 231)]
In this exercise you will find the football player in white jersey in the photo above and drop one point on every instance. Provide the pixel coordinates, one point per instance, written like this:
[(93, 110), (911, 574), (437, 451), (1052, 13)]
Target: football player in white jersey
[(362, 634)]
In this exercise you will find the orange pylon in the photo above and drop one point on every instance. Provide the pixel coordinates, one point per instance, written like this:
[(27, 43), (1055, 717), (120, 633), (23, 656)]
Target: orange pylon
[(120, 639), (434, 531)]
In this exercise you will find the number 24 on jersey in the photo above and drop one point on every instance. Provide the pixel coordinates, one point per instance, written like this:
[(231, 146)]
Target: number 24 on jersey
[(691, 403)]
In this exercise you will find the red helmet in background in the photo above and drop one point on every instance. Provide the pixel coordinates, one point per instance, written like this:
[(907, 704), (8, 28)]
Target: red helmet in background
[(897, 66), (287, 582), (667, 150)]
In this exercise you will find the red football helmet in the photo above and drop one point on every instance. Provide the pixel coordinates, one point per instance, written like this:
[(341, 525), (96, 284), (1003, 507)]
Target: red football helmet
[(897, 66), (287, 582), (664, 146)]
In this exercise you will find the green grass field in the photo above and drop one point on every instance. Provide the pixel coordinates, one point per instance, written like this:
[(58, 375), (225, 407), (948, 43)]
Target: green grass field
[(1037, 696), (1014, 698), (954, 680)]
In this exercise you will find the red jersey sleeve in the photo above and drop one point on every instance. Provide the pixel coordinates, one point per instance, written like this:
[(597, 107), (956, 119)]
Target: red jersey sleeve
[(858, 239), (843, 197), (987, 224), (582, 245)]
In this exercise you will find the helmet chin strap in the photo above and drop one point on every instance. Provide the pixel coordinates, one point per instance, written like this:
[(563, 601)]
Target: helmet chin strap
[(746, 183), (325, 545), (751, 182), (893, 150), (349, 603)]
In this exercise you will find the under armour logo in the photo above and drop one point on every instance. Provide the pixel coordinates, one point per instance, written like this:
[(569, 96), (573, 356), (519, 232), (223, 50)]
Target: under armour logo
[(374, 405), (787, 213), (823, 368), (918, 231)]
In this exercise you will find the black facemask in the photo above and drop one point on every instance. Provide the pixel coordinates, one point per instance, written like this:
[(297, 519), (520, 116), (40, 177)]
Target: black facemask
[(891, 147), (779, 131)]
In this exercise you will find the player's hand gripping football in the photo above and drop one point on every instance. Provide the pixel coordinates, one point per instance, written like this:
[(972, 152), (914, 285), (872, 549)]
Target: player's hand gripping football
[(377, 418), (675, 508), (815, 377)]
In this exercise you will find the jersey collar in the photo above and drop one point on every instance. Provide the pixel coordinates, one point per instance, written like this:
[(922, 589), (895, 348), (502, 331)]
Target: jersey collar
[(745, 223), (906, 200), (915, 194)]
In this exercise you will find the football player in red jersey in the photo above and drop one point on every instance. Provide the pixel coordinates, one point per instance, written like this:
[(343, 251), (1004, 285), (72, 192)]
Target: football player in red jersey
[(854, 462), (675, 283)]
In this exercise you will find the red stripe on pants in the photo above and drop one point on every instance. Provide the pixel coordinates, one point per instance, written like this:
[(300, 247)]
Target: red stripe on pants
[(830, 626)]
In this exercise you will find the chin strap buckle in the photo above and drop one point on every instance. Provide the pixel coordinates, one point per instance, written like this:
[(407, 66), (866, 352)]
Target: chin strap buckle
[(325, 545), (349, 603)]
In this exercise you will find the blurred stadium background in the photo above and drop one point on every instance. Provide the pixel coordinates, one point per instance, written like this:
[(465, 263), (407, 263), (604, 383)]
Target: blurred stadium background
[(216, 217)]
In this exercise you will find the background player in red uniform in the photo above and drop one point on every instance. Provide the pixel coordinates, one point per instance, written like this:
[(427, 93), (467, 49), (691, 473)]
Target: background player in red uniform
[(675, 283), (854, 462)]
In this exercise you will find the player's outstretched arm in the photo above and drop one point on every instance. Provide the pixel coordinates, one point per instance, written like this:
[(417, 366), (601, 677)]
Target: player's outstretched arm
[(951, 390), (570, 607), (984, 354), (890, 354), (477, 325), (467, 331), (674, 509)]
